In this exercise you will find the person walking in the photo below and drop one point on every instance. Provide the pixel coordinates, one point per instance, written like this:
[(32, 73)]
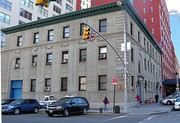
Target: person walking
[(138, 101), (156, 98), (105, 101)]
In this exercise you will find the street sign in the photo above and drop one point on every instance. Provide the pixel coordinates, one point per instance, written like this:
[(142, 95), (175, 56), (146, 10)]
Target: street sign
[(114, 80), (120, 68)]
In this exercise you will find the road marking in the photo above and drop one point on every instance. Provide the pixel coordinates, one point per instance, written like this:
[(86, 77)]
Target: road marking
[(114, 118), (149, 118)]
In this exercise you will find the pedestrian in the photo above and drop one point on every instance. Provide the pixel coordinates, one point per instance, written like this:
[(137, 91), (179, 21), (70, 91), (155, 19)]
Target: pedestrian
[(138, 101), (105, 101), (156, 98)]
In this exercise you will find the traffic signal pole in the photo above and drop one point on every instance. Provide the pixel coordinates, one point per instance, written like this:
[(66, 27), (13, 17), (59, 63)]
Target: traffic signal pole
[(105, 39)]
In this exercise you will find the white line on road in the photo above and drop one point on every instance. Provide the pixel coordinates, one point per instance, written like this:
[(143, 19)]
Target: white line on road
[(114, 118), (149, 118)]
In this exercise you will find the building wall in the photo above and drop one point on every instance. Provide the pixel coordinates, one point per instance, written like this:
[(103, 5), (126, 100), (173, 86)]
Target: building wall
[(15, 17), (148, 79)]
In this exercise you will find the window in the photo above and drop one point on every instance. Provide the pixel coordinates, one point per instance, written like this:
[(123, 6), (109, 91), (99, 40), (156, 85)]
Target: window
[(152, 30), (102, 25), (152, 20), (38, 18), (50, 35), (66, 32), (64, 84), (82, 83), (49, 59), (82, 55), (59, 2), (34, 59), (145, 64), (139, 67), (47, 85), (56, 9), (131, 28), (102, 79), (2, 34), (25, 14), (27, 3), (82, 25), (139, 37), (33, 85), (132, 81), (151, 9), (6, 5), (132, 54), (69, 8), (102, 52), (65, 57), (144, 43), (3, 43), (144, 10), (70, 1), (145, 21), (36, 38), (4, 18), (17, 61), (19, 41), (42, 11), (21, 22)]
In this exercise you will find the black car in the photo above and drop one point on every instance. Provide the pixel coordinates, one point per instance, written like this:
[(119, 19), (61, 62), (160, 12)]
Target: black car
[(68, 105), (7, 101)]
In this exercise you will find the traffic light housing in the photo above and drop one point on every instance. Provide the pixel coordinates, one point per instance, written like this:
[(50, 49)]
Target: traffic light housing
[(86, 33), (42, 3)]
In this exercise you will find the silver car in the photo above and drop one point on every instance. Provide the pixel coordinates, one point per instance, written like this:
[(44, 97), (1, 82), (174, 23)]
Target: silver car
[(169, 100), (177, 104)]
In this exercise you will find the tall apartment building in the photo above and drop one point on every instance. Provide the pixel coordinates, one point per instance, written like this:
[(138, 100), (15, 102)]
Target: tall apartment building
[(49, 57), (83, 4), (15, 12), (175, 31), (155, 15)]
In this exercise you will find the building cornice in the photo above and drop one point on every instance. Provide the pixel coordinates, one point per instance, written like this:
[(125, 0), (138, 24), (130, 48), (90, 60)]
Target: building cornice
[(126, 5)]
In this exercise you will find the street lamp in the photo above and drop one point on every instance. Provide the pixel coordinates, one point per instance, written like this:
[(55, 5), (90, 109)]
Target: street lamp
[(119, 3), (177, 84)]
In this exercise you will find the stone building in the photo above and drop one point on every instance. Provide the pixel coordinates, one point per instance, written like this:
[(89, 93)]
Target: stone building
[(49, 57)]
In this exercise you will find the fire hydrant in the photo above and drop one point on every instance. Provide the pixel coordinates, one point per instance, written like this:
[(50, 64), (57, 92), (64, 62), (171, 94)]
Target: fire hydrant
[(101, 110)]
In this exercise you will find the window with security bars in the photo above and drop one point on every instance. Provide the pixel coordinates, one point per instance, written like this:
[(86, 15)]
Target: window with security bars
[(82, 55), (82, 83), (64, 84), (33, 85), (102, 79)]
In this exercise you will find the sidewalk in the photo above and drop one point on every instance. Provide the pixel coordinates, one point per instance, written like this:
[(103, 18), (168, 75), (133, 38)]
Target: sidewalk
[(145, 109)]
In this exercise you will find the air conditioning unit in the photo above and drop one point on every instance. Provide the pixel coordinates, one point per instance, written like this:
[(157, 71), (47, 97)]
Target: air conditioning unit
[(64, 60), (47, 89), (34, 65), (101, 56), (49, 63), (17, 65)]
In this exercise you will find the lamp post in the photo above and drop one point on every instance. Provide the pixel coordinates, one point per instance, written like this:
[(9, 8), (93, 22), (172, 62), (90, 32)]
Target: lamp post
[(177, 84)]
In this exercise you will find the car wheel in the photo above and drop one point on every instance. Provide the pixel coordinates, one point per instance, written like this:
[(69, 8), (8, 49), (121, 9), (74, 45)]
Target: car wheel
[(84, 111), (66, 112), (50, 115), (36, 110), (16, 111), (169, 103)]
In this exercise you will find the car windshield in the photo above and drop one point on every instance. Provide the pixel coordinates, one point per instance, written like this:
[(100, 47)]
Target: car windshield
[(18, 101), (64, 100)]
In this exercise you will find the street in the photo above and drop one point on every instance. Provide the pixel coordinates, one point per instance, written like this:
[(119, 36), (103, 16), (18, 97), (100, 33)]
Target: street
[(173, 117)]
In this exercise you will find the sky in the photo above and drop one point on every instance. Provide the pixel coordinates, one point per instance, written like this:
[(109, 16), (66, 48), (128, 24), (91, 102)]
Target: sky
[(173, 4)]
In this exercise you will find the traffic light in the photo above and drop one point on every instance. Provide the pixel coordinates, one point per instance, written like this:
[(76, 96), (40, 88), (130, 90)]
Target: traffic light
[(42, 3), (86, 33)]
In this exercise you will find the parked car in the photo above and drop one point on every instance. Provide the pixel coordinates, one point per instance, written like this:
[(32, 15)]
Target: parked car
[(177, 104), (47, 100), (169, 100), (7, 101), (21, 105), (68, 105)]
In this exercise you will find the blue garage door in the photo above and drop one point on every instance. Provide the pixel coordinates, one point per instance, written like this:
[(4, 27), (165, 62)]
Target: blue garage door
[(16, 89)]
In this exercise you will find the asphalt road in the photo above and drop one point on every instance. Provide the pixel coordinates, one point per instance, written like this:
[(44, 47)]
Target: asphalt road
[(172, 117)]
